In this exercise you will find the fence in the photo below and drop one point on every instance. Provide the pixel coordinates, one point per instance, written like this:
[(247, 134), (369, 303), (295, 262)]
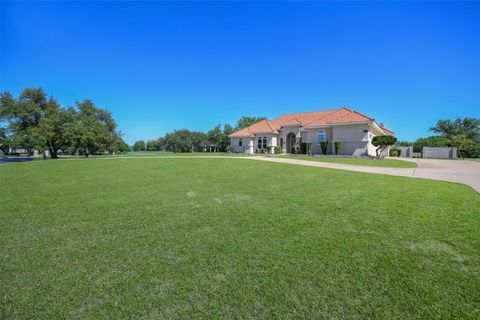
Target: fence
[(406, 152), (444, 153)]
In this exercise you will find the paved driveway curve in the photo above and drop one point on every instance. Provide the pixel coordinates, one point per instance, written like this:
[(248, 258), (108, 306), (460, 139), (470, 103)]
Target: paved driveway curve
[(465, 172)]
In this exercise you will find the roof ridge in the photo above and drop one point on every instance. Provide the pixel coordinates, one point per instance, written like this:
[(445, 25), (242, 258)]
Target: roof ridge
[(291, 114), (343, 116), (325, 115), (271, 127), (286, 121), (343, 108), (364, 115), (294, 118)]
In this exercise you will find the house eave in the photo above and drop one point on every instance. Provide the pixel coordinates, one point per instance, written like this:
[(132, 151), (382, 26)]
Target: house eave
[(350, 123), (263, 132), (317, 127), (242, 136), (292, 125)]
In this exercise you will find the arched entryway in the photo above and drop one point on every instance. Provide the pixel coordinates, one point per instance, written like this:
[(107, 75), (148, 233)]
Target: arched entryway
[(291, 140)]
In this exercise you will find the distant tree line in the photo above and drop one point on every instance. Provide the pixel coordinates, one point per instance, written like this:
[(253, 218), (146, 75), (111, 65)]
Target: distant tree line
[(35, 121), (214, 140), (464, 134)]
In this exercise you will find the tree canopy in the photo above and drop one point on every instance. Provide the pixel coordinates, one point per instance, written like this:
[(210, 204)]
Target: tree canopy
[(468, 127), (464, 134), (139, 146), (462, 143), (246, 121), (215, 139), (35, 121)]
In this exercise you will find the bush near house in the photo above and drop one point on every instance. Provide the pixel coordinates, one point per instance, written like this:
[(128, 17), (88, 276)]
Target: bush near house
[(297, 148), (337, 146), (395, 152), (308, 146), (324, 147)]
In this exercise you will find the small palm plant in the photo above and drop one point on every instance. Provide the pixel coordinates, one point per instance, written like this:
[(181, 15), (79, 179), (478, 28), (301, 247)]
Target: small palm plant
[(324, 146)]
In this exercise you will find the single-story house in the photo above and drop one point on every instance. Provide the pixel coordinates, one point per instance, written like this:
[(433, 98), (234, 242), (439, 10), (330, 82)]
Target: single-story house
[(354, 129)]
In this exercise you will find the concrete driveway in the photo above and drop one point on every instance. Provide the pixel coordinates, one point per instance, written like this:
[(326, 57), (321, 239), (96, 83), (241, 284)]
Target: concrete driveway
[(459, 171)]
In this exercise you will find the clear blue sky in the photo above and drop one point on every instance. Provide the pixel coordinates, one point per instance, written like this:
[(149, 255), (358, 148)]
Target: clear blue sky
[(160, 66)]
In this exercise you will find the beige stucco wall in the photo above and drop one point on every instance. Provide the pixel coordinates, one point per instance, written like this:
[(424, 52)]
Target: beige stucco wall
[(311, 136), (272, 139), (247, 145), (354, 140)]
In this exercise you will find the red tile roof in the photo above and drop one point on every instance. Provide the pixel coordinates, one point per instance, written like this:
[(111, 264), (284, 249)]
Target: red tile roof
[(319, 118), (387, 131)]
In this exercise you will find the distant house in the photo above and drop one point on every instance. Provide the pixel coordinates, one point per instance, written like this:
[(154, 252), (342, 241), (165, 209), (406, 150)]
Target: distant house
[(353, 129)]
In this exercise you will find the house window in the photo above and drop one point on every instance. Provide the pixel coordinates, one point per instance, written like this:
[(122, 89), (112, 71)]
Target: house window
[(281, 142), (264, 142), (321, 136), (259, 144), (240, 142)]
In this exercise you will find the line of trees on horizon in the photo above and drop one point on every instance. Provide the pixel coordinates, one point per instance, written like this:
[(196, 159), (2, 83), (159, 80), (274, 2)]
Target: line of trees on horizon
[(35, 121), (464, 134), (184, 140)]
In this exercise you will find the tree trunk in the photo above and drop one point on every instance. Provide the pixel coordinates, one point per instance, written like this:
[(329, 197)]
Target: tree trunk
[(53, 152)]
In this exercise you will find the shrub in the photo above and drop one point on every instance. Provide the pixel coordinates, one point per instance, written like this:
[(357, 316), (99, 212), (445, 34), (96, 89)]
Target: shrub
[(338, 147), (277, 150), (382, 143), (296, 148), (309, 147), (324, 147), (262, 150), (395, 152), (473, 152)]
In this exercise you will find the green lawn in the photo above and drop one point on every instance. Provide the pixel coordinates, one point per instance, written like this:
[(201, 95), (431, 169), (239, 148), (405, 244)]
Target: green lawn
[(231, 238), (360, 162), (170, 154)]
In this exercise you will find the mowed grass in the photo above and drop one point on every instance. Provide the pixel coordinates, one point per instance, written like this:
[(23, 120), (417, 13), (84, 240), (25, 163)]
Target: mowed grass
[(359, 162), (232, 238), (174, 154)]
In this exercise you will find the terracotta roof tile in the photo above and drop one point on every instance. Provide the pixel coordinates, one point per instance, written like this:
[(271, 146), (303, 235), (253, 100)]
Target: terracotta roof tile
[(317, 118), (263, 126), (292, 121), (245, 132)]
